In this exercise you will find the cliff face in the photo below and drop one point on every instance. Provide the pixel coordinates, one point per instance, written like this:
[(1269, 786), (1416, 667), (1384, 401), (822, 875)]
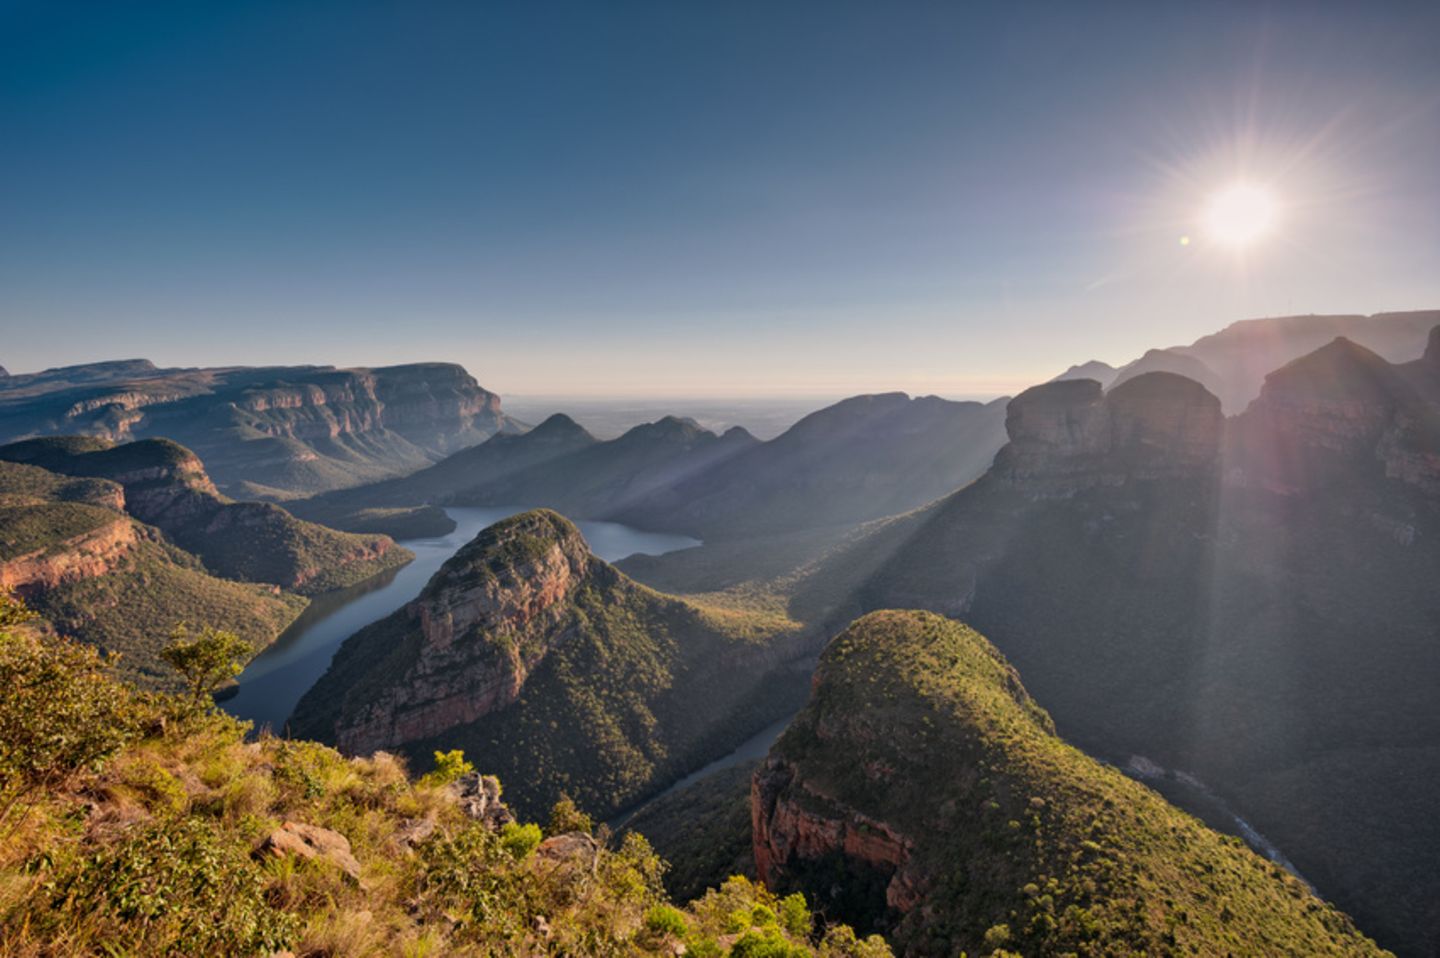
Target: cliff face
[(530, 653), (923, 792), (274, 431), (166, 486), (491, 614), (86, 556), (1067, 435)]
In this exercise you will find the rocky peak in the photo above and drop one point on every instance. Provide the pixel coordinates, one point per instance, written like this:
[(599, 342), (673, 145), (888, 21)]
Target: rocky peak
[(485, 621), (4, 373), (1069, 435), (510, 575)]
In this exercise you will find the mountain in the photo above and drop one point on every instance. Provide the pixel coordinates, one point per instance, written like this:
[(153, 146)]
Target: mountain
[(1102, 373), (923, 791), (542, 661), (862, 458), (271, 432), (1170, 361), (1248, 604), (466, 475), (1244, 353), (118, 544)]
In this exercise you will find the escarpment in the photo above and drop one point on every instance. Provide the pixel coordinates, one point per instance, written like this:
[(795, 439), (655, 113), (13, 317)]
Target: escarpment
[(269, 432), (529, 652), (165, 485), (922, 792)]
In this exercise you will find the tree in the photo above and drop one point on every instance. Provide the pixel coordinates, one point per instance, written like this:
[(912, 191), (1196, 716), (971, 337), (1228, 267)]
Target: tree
[(206, 661)]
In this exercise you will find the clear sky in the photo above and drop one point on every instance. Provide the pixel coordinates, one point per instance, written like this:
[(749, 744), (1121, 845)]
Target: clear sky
[(706, 199)]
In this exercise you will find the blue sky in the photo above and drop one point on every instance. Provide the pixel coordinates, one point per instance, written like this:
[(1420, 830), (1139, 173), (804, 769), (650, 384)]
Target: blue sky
[(704, 199)]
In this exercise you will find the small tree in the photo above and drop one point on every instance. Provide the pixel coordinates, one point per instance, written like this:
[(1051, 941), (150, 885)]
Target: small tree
[(565, 816), (206, 661)]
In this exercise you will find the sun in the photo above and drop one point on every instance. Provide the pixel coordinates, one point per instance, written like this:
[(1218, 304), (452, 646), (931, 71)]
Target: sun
[(1240, 214)]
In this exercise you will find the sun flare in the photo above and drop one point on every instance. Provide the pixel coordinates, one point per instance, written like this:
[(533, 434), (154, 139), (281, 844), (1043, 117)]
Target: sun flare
[(1240, 214)]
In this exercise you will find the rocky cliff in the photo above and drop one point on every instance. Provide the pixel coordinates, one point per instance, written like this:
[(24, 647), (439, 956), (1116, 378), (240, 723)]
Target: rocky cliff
[(276, 431), (923, 792), (1068, 435), (526, 650), (166, 486)]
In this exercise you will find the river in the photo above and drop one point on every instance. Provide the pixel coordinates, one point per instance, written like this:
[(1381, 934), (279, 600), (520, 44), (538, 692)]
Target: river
[(275, 679)]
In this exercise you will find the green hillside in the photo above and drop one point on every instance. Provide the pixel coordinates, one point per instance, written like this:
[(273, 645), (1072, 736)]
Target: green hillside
[(1014, 841)]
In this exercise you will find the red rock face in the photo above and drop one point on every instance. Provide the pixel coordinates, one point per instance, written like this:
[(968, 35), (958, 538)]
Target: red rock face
[(788, 826), (86, 556), (482, 631)]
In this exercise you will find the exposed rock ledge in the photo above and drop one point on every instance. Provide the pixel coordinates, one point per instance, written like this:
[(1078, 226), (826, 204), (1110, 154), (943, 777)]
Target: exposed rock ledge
[(85, 556)]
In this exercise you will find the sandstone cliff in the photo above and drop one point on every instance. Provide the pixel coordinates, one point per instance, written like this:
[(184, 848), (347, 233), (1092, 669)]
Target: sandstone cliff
[(166, 486)]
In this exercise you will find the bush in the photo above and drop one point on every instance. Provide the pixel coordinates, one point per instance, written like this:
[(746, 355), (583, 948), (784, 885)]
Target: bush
[(61, 710), (449, 766), (665, 920), (174, 886), (519, 840), (566, 817)]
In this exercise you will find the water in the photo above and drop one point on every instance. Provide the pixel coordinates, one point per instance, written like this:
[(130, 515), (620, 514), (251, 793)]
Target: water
[(275, 679)]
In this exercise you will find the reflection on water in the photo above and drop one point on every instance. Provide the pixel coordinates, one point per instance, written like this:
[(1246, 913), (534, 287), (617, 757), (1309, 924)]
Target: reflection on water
[(274, 681)]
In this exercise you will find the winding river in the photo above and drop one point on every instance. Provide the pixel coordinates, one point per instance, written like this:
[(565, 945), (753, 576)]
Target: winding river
[(275, 679)]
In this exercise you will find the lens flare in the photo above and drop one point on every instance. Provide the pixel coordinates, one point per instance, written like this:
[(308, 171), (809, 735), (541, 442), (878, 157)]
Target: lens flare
[(1240, 214)]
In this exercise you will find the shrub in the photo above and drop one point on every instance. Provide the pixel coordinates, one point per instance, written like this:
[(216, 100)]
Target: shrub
[(175, 886), (665, 920), (519, 840), (449, 766), (565, 816), (206, 661), (61, 710)]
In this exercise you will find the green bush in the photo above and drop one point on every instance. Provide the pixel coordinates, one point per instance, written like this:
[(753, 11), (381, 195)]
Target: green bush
[(175, 888), (61, 711), (665, 920), (520, 840)]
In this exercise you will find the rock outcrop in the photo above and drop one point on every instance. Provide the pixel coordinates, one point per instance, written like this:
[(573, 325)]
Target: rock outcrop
[(1342, 409), (1068, 435), (486, 619), (86, 556)]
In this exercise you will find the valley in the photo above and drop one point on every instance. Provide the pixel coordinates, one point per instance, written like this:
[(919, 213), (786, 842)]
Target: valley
[(1169, 580)]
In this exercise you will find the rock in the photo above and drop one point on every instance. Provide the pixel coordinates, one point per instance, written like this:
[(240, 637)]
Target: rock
[(479, 798), (570, 846), (1068, 435), (485, 621), (310, 841)]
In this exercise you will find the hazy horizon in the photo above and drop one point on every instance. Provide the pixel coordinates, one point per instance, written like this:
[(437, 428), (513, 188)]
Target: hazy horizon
[(643, 200)]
